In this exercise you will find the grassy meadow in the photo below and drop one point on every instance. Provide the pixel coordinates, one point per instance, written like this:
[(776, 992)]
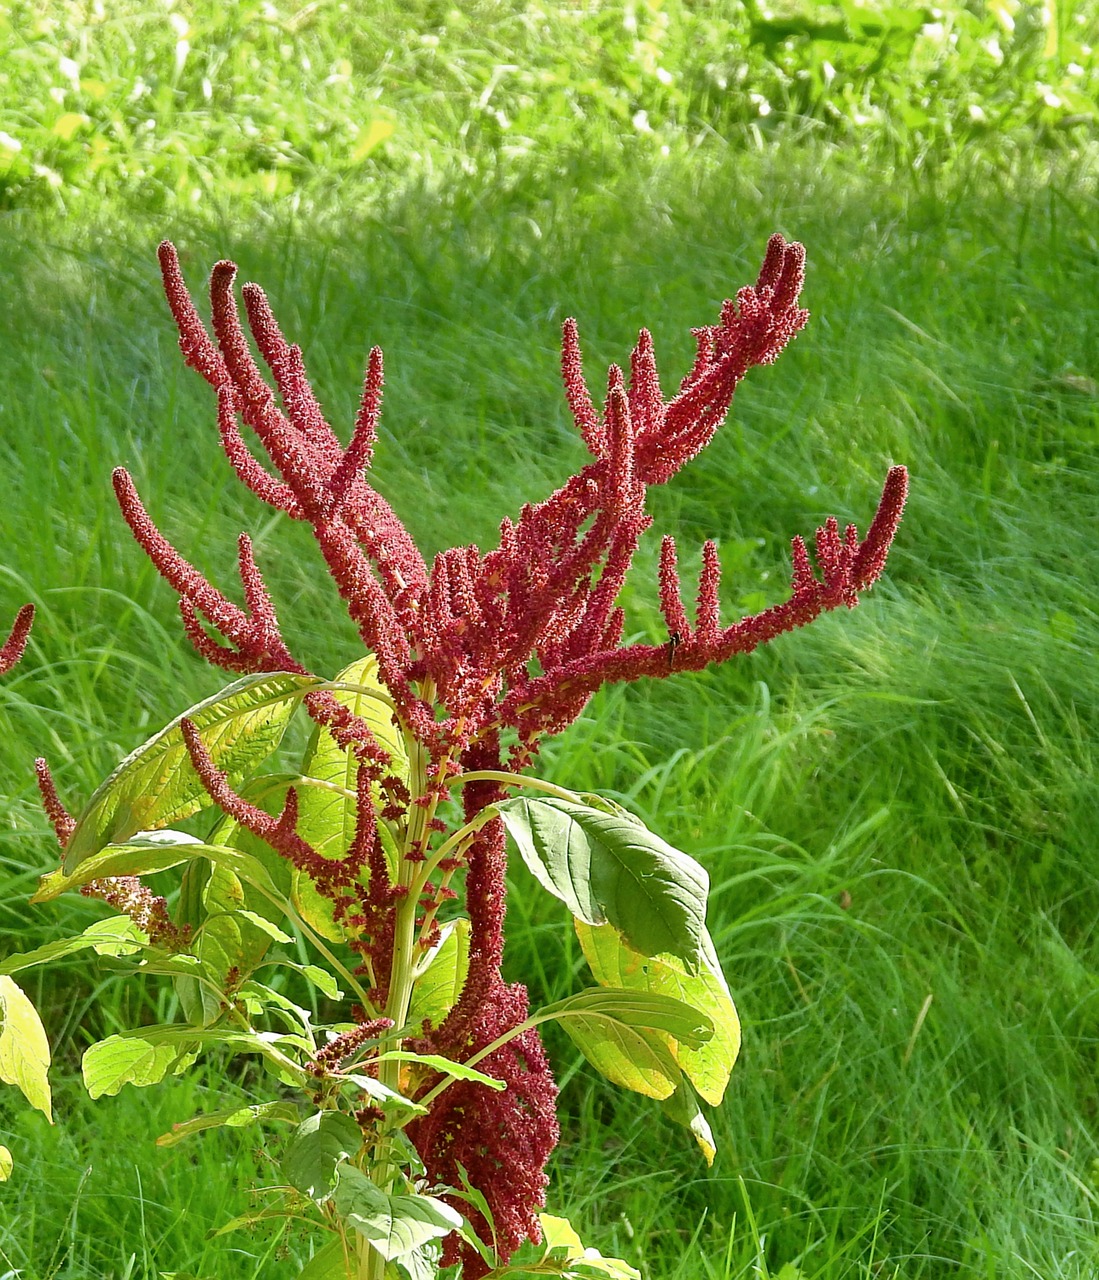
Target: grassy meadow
[(897, 807)]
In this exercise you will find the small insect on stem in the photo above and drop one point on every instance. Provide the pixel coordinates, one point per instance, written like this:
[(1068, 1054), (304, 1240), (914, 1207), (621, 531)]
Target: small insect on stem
[(674, 641)]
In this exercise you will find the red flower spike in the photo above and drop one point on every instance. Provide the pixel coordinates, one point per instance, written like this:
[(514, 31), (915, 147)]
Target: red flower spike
[(292, 454), (576, 391), (146, 909), (708, 582), (199, 352), (62, 821), (803, 579), (287, 367), (218, 655), (265, 486), (178, 572), (16, 643), (361, 449), (671, 601), (280, 833), (870, 557)]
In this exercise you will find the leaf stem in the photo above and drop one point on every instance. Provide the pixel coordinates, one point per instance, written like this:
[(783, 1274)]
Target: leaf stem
[(512, 780)]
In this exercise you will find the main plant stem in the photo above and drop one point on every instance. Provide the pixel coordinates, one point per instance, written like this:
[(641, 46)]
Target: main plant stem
[(402, 970)]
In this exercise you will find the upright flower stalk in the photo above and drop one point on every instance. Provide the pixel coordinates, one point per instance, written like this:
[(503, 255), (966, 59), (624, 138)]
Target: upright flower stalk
[(477, 656)]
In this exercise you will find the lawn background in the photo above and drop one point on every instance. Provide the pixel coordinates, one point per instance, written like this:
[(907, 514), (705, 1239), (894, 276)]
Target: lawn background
[(897, 807)]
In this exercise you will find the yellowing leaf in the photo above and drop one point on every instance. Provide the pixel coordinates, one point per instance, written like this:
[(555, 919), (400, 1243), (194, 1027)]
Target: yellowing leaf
[(24, 1049), (65, 126), (120, 1060), (372, 136), (615, 964)]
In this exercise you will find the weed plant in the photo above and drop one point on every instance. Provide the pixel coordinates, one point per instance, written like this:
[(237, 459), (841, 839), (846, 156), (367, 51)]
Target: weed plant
[(897, 813)]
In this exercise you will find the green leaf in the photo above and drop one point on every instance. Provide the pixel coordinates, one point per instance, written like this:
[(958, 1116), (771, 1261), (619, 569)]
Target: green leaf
[(456, 1070), (682, 1107), (242, 937), (648, 1010), (615, 964), (231, 1118), (609, 867), (145, 859), (394, 1225), (316, 1149), (248, 1221), (231, 938), (322, 980), (328, 1264), (625, 1056), (388, 1099), (24, 1049), (418, 1264), (618, 1032), (129, 1059), (117, 935), (265, 926), (447, 964), (7, 1164), (157, 784)]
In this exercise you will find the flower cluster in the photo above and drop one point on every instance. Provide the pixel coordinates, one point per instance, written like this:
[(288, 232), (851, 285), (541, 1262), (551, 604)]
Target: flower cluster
[(482, 654)]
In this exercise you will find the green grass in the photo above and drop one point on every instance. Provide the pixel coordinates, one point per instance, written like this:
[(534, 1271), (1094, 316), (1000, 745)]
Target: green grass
[(895, 805)]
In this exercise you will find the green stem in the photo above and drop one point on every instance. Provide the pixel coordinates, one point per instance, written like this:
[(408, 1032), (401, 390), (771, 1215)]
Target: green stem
[(317, 941), (346, 686), (371, 1264), (512, 780), (548, 1014)]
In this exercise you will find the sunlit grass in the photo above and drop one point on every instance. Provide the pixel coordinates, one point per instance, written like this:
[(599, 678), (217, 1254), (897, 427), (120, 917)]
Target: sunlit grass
[(897, 807)]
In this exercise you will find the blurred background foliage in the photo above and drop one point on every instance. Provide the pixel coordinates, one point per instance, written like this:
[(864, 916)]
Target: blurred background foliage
[(190, 102)]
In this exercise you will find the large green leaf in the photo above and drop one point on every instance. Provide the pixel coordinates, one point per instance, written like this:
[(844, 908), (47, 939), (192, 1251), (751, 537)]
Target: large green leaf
[(144, 1056), (157, 784), (438, 988), (6, 1164), (318, 1146), (24, 1049), (394, 1225), (624, 1035), (609, 867), (615, 964), (327, 1264)]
